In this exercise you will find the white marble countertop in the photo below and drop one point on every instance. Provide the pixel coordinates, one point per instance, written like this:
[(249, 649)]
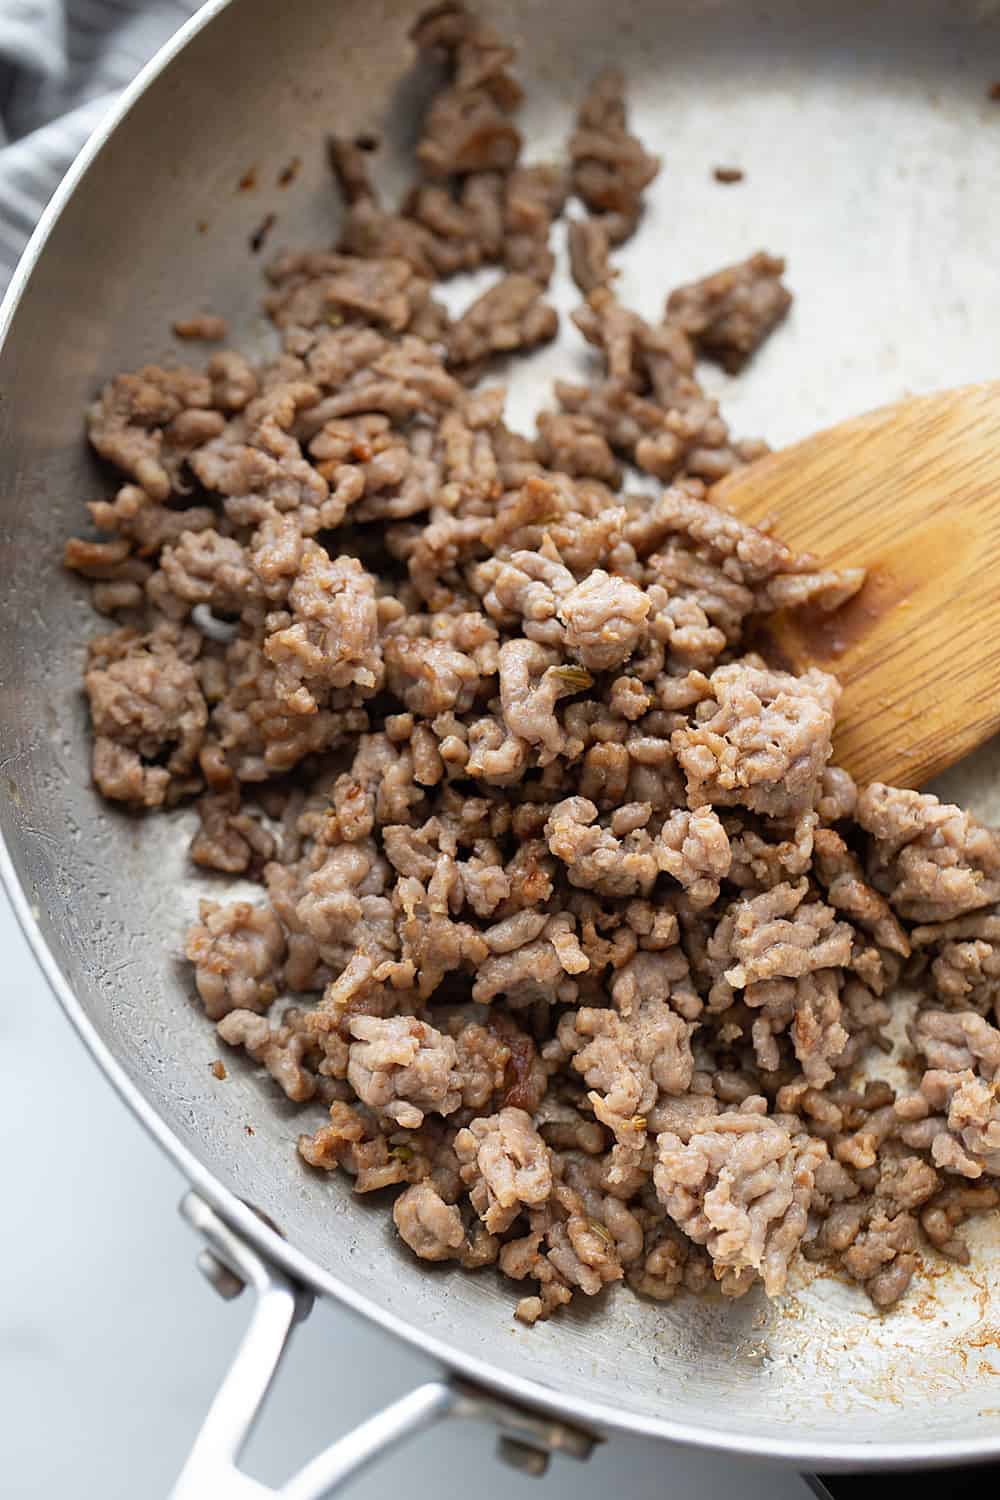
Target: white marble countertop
[(111, 1343)]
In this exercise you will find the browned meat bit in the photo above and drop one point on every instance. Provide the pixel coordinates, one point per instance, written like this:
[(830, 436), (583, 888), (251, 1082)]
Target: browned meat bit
[(259, 467), (589, 250), (119, 576), (610, 167), (724, 545), (573, 445), (650, 359), (762, 740), (437, 232), (321, 287), (532, 958), (468, 127), (604, 619), (402, 1068), (139, 520), (431, 1227), (100, 560), (741, 1185), (234, 380), (628, 1056), (467, 130), (353, 1142), (728, 174), (475, 52), (531, 683), (764, 853), (617, 860), (334, 907), (808, 1008), (855, 1124), (509, 317), (564, 1249), (350, 167), (818, 1037), (955, 1042), (933, 861), (864, 1016), (145, 700), (208, 327), (873, 1236), (206, 568), (375, 234), (780, 934), (434, 945), (965, 954), (650, 407), (826, 590), (838, 795), (481, 196), (670, 1263), (610, 171), (430, 677), (588, 1234), (506, 1166), (731, 313), (131, 423), (230, 838), (840, 873), (237, 952), (258, 735), (287, 1051), (455, 238), (694, 849), (955, 1115), (948, 1209), (331, 640), (534, 196)]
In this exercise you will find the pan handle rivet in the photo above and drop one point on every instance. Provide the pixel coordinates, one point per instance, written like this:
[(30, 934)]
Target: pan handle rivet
[(522, 1456), (225, 1281)]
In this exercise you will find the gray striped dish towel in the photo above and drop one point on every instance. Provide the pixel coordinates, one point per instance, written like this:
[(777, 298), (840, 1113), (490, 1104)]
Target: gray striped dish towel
[(63, 64)]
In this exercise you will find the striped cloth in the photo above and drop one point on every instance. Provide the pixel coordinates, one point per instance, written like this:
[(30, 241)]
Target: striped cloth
[(63, 64)]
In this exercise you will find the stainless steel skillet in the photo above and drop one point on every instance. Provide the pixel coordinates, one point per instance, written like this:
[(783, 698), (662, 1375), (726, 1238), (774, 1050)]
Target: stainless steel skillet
[(872, 154)]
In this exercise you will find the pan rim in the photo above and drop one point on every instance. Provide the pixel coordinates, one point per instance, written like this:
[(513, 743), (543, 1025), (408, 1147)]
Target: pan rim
[(830, 1455)]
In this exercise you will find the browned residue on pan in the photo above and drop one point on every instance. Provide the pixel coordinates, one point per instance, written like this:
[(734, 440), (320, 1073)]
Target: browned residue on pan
[(261, 233)]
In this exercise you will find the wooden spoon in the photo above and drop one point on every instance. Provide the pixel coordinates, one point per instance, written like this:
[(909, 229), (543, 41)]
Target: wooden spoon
[(912, 493)]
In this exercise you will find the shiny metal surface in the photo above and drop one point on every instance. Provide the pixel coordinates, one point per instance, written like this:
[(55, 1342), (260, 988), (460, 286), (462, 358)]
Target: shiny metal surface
[(872, 156)]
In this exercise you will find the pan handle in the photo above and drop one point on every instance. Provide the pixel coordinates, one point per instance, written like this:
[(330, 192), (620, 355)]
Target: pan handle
[(526, 1438)]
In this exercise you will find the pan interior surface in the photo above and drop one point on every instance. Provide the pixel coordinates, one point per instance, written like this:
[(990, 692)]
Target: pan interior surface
[(872, 157)]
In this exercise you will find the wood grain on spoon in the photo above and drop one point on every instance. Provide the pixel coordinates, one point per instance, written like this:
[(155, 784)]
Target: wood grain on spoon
[(912, 493)]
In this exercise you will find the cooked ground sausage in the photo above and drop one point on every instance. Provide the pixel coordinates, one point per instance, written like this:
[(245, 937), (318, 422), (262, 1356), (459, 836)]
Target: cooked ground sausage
[(586, 934)]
